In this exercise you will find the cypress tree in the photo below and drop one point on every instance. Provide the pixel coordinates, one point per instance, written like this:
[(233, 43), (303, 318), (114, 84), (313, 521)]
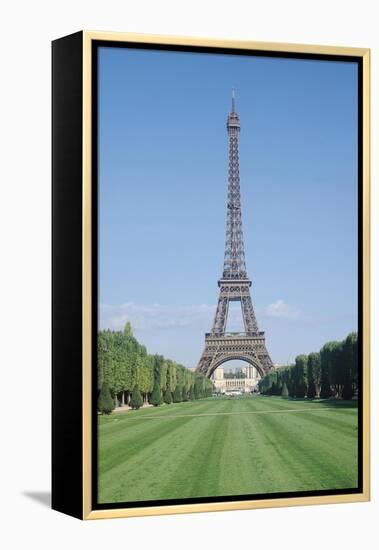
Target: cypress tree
[(136, 400), (291, 384), (325, 353), (167, 397), (299, 372), (350, 364), (184, 394), (311, 364), (156, 396), (105, 402), (325, 390), (177, 395)]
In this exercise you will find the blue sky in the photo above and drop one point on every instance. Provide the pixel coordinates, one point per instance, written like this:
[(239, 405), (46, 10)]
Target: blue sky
[(163, 186)]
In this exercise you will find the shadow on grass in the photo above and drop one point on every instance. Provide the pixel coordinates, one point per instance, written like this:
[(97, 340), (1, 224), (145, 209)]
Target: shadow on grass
[(337, 403)]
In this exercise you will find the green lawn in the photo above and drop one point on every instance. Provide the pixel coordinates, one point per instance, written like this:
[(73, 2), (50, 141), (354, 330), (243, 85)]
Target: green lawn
[(220, 447)]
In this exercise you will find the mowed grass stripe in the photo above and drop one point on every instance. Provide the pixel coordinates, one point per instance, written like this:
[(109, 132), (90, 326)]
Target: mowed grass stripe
[(116, 440), (197, 472), (114, 425), (228, 450), (273, 411), (304, 455), (146, 469)]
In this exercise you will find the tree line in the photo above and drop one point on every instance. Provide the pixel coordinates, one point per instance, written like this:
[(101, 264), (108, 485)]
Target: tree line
[(331, 372), (128, 375)]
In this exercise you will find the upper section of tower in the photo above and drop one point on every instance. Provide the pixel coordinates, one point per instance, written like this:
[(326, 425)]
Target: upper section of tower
[(233, 121), (234, 258)]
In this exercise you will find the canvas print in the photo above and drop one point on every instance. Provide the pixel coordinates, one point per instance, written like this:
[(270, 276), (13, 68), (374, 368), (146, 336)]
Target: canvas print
[(228, 325)]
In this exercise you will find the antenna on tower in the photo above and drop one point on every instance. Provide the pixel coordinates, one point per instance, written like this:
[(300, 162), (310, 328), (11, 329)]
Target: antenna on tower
[(233, 100)]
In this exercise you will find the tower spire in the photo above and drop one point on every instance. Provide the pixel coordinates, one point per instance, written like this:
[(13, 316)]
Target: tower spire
[(234, 259), (233, 100)]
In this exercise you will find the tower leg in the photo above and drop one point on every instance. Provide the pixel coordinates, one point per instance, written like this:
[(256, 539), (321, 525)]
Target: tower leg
[(219, 323), (248, 314)]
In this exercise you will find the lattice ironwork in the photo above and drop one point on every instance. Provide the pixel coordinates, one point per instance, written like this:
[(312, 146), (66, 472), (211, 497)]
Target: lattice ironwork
[(234, 285)]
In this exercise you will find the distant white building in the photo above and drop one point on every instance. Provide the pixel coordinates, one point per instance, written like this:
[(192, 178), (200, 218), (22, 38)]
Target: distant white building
[(236, 384)]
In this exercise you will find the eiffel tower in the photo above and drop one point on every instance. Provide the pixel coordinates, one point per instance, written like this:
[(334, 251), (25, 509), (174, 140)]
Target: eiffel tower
[(234, 284)]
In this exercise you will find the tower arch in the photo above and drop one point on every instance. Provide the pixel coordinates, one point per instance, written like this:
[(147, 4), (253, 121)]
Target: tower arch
[(245, 358)]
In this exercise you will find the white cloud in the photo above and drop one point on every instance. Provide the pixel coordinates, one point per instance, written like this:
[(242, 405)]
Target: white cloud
[(145, 317), (280, 309), (155, 316)]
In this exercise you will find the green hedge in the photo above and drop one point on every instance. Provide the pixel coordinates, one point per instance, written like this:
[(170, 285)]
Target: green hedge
[(124, 366), (331, 372)]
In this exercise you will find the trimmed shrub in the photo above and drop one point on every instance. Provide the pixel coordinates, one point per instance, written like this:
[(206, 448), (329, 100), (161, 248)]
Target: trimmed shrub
[(136, 400), (177, 398), (156, 396), (300, 375), (105, 403), (167, 397)]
